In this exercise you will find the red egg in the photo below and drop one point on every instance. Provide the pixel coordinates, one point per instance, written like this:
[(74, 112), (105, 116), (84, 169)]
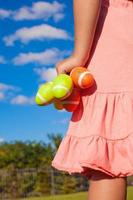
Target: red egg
[(71, 102), (58, 104)]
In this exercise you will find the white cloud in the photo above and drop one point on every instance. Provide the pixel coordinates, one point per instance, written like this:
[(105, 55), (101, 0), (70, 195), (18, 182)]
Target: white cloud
[(41, 10), (2, 60), (1, 140), (2, 96), (46, 74), (58, 17), (41, 32), (5, 13), (6, 91), (47, 57), (4, 87), (22, 100)]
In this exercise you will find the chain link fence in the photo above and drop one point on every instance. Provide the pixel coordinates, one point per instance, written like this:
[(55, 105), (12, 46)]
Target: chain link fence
[(22, 183)]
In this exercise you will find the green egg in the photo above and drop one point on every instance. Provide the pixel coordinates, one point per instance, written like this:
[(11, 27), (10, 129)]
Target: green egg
[(44, 95), (62, 86)]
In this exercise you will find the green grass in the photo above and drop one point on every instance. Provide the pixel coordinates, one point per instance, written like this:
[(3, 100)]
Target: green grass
[(77, 196), (130, 193)]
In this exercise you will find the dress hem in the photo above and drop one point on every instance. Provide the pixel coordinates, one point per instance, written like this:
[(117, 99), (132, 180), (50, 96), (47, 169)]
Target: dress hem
[(94, 159), (91, 166)]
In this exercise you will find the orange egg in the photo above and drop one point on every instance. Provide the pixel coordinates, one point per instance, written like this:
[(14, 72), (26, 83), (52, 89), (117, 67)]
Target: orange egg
[(82, 77), (71, 102)]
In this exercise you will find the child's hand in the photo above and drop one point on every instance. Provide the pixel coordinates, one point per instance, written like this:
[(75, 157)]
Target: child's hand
[(66, 65)]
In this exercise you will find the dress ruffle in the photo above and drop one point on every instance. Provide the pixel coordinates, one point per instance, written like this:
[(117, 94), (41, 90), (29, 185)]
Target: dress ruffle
[(81, 155), (99, 136)]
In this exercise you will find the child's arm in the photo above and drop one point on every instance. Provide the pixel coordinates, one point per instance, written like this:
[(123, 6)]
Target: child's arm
[(86, 13)]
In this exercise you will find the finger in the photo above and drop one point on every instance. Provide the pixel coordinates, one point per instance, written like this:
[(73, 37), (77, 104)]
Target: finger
[(61, 70), (57, 69)]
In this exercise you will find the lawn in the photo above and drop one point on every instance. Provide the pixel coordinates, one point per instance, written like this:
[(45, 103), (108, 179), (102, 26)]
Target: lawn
[(77, 196)]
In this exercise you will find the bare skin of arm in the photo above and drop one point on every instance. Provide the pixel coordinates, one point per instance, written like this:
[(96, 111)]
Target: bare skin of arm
[(86, 13)]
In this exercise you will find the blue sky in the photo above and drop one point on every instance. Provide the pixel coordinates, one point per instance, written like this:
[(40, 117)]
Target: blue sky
[(34, 35)]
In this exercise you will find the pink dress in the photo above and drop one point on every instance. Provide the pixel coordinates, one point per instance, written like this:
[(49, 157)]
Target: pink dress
[(100, 132)]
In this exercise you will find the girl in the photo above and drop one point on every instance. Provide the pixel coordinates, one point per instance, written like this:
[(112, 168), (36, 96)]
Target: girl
[(99, 140)]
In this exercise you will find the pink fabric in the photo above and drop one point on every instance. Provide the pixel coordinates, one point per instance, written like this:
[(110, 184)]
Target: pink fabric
[(100, 132)]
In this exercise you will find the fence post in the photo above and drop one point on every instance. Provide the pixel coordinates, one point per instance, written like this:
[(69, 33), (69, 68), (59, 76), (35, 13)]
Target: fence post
[(52, 182)]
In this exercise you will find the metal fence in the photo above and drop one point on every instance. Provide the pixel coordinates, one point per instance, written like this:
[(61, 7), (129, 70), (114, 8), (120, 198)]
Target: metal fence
[(22, 183)]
